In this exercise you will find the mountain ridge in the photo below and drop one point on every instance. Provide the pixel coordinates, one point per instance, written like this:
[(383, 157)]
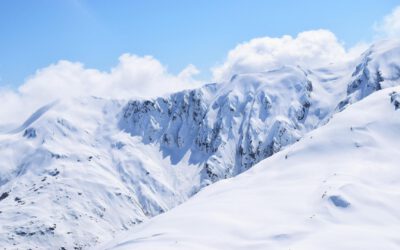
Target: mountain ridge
[(335, 189), (103, 166)]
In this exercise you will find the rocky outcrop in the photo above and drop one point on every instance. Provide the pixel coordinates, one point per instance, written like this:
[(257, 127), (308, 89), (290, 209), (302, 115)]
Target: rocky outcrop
[(395, 100), (225, 128)]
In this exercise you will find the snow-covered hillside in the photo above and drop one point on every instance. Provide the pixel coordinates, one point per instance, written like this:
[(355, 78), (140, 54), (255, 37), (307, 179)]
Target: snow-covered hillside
[(79, 171), (338, 188)]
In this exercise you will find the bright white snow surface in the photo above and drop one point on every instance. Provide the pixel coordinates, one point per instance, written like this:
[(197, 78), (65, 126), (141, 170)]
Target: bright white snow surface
[(338, 188), (69, 177), (80, 171)]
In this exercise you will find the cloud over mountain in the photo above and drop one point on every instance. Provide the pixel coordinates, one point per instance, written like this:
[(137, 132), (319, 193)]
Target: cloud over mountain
[(389, 26), (312, 48), (133, 76)]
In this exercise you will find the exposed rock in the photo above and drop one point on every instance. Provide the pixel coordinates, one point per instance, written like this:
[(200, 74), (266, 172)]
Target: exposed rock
[(30, 133)]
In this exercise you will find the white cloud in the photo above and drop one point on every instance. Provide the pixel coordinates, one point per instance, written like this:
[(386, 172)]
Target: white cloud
[(188, 72), (133, 76), (389, 26), (313, 48), (136, 76)]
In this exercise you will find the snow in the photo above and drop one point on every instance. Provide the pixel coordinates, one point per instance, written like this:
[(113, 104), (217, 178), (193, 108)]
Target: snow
[(338, 188), (71, 169), (81, 171)]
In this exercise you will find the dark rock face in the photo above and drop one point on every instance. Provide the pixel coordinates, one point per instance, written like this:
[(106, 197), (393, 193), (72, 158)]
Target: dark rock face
[(395, 100), (365, 82), (30, 133), (3, 196)]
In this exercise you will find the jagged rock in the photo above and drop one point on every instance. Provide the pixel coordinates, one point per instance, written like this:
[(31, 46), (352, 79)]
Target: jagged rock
[(395, 100), (30, 133), (3, 196)]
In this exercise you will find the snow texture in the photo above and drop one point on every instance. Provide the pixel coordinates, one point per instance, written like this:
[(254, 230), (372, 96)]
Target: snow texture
[(80, 171)]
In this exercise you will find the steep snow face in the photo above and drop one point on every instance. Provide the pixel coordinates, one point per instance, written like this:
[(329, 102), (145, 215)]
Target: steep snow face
[(227, 128), (378, 68), (79, 171), (338, 188)]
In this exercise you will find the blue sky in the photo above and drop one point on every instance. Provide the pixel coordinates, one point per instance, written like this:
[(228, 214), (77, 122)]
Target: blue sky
[(37, 33)]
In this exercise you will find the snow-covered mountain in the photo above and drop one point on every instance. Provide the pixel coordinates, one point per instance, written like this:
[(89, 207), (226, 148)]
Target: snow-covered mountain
[(79, 171), (338, 188)]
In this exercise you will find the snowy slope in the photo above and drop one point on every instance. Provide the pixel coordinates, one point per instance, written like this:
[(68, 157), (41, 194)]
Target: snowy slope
[(70, 178), (80, 171), (338, 188)]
